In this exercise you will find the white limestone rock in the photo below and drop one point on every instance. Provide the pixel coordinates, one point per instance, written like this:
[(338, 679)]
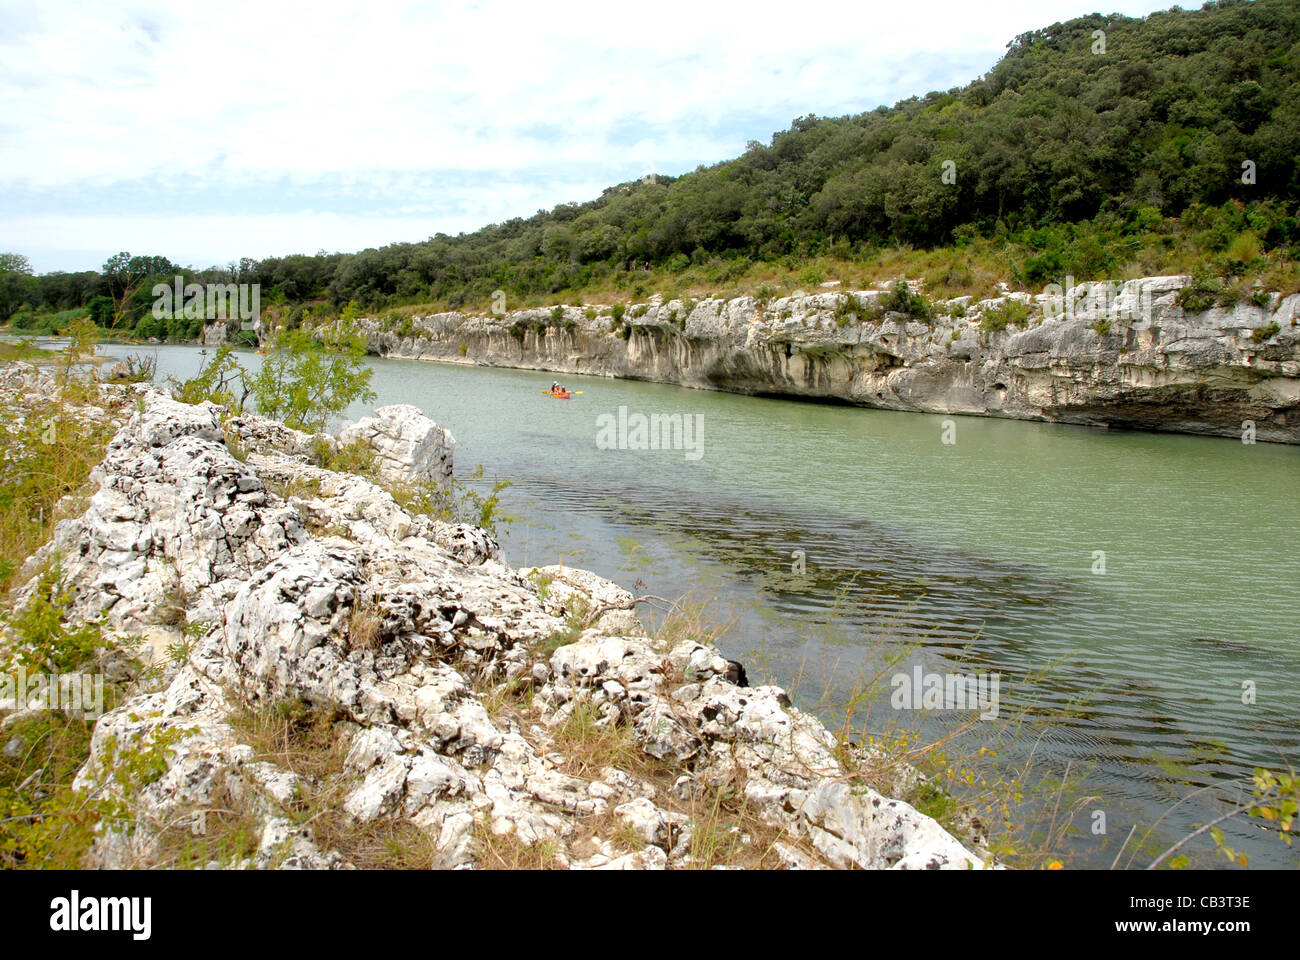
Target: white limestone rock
[(278, 585), (408, 446)]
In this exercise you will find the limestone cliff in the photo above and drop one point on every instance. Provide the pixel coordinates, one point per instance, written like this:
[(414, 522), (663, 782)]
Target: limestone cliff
[(1123, 356)]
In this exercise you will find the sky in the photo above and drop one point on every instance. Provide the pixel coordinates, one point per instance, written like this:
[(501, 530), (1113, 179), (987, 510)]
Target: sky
[(206, 132)]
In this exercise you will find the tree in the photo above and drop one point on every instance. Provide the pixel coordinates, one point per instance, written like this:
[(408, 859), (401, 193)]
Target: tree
[(221, 380), (15, 263), (16, 283), (312, 374), (123, 273)]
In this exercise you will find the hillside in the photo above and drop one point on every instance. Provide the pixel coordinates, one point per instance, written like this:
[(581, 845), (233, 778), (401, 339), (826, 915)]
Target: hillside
[(1079, 152)]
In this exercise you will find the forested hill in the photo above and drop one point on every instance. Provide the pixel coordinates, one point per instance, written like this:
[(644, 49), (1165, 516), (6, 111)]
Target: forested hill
[(1116, 120)]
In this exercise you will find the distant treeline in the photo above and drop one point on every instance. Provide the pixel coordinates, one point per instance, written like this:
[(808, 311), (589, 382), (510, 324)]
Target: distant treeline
[(1083, 136)]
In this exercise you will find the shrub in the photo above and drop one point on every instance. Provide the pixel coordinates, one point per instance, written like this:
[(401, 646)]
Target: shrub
[(1003, 315), (852, 310), (901, 299), (1266, 333), (459, 503), (312, 375), (1229, 296), (49, 451), (42, 641), (1200, 295), (355, 457), (138, 369), (220, 380)]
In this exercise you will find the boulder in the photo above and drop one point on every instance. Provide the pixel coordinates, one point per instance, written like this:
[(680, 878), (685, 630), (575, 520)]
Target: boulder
[(409, 448)]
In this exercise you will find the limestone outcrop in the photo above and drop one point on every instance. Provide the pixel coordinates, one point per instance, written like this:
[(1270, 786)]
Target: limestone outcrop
[(452, 682), (408, 446), (1104, 355)]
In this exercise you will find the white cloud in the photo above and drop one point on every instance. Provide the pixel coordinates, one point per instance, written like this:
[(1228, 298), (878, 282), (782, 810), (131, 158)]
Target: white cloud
[(97, 97)]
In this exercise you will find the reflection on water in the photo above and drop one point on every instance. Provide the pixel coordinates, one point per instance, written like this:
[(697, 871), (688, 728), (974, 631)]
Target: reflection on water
[(978, 555)]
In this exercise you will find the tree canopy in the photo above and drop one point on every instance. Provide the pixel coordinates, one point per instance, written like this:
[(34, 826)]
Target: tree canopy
[(1102, 118)]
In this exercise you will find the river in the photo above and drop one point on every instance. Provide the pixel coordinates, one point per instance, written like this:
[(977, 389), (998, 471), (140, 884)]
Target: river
[(1134, 592)]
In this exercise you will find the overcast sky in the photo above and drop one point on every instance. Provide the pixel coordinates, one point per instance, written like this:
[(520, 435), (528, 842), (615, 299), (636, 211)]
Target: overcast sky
[(209, 131)]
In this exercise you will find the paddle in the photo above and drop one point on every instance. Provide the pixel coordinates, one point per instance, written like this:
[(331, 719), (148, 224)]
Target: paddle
[(572, 393)]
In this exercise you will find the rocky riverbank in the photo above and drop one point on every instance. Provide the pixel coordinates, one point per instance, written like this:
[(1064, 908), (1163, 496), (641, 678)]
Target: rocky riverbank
[(1116, 356), (320, 673)]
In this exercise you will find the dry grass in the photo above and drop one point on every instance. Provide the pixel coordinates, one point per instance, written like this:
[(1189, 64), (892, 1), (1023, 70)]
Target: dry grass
[(508, 852), (589, 745), (696, 620), (974, 269), (50, 449), (363, 626), (310, 743), (300, 485), (226, 832)]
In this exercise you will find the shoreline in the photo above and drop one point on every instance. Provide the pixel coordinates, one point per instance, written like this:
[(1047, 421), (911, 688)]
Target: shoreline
[(1134, 361), (480, 711)]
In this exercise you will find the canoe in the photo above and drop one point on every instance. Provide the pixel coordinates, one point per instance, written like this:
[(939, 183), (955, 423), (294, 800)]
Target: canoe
[(559, 396)]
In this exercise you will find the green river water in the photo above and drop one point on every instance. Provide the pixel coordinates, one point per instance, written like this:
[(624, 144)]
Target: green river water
[(975, 557)]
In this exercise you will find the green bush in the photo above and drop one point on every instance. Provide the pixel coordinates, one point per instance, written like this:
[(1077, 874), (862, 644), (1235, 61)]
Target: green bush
[(852, 310), (1003, 315), (308, 376), (1266, 333), (901, 299), (42, 641), (1200, 294)]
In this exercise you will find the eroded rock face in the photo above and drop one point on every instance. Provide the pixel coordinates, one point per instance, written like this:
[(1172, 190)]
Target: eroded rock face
[(303, 586), (1124, 356)]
